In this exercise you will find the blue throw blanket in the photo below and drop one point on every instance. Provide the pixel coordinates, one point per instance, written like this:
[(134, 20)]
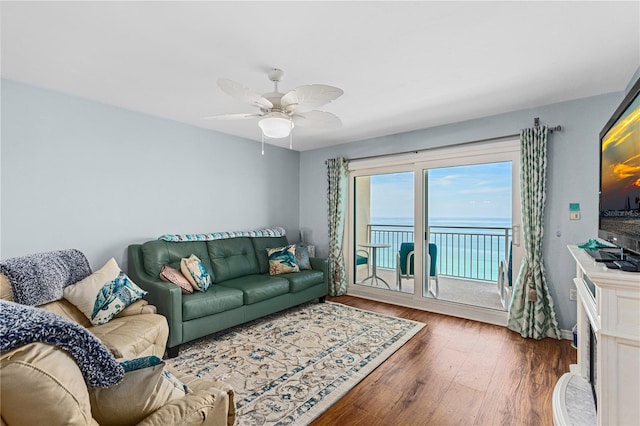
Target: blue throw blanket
[(39, 278), (21, 325)]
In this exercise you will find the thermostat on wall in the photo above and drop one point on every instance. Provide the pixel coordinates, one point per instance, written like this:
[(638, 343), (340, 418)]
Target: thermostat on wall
[(574, 211)]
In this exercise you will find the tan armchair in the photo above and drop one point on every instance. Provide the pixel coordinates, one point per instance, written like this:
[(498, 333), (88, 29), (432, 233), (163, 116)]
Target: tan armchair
[(41, 384)]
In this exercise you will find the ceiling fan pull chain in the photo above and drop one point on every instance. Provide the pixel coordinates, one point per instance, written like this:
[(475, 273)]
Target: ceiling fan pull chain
[(290, 135)]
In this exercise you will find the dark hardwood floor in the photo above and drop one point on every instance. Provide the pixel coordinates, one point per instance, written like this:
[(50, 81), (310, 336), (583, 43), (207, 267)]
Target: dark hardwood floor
[(455, 372)]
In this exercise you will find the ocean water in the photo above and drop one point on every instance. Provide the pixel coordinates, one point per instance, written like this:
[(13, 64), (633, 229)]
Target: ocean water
[(473, 252), (480, 222)]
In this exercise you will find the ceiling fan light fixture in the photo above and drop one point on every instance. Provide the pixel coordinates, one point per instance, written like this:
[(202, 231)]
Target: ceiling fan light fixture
[(276, 125)]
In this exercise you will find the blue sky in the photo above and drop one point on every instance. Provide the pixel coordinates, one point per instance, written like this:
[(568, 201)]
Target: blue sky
[(476, 191)]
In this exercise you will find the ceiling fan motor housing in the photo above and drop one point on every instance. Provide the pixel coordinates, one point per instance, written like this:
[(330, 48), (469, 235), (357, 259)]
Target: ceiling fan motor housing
[(274, 98)]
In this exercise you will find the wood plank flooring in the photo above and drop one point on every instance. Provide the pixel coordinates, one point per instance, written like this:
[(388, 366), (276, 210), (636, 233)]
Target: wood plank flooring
[(455, 372)]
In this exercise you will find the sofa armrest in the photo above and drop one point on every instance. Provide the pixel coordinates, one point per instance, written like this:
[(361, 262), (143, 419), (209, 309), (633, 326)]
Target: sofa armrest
[(224, 391), (196, 408), (165, 296), (321, 264)]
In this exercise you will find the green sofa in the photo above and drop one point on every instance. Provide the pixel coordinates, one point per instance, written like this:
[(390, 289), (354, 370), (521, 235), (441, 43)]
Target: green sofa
[(242, 288)]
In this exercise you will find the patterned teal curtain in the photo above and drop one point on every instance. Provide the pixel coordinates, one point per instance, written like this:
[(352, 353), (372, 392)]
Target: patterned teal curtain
[(337, 197), (531, 308)]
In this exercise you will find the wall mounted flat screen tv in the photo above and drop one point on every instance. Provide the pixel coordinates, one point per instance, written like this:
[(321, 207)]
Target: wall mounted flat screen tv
[(620, 175)]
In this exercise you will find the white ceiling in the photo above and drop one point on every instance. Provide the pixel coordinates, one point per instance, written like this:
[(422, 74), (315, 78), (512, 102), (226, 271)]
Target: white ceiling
[(402, 65)]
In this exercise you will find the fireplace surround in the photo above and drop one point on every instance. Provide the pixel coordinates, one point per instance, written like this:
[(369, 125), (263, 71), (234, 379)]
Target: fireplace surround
[(608, 317)]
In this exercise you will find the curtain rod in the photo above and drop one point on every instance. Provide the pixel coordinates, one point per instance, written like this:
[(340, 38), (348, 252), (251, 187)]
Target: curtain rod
[(536, 123)]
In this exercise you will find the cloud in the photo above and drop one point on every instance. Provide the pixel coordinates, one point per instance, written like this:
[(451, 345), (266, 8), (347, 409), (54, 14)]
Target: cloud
[(485, 190), (447, 180)]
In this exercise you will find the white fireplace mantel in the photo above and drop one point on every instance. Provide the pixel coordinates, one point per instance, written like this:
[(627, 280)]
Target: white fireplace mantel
[(608, 301)]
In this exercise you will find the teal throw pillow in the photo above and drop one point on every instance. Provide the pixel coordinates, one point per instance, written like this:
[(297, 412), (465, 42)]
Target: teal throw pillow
[(282, 260), (302, 257), (146, 387)]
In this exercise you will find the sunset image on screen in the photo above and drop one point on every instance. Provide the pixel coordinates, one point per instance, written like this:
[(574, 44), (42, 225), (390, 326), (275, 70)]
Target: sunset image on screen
[(621, 163)]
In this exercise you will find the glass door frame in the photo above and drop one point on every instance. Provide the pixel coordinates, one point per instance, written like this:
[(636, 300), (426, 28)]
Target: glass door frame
[(468, 153), (498, 153), (349, 241)]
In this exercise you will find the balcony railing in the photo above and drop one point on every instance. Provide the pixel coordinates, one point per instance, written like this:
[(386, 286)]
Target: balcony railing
[(463, 251)]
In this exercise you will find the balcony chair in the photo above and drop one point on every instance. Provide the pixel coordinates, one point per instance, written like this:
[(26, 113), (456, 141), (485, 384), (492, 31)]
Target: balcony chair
[(362, 257), (404, 266)]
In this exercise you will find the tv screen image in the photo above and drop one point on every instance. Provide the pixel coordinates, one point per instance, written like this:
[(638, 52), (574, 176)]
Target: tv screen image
[(620, 175)]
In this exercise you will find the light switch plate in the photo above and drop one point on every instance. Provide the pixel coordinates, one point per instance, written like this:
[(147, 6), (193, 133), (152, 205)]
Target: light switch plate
[(574, 216)]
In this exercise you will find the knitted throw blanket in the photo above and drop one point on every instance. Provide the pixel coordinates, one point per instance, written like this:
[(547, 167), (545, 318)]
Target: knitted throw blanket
[(39, 278), (21, 325), (267, 232)]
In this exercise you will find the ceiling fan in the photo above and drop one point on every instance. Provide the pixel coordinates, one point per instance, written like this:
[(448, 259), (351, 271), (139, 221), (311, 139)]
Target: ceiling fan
[(280, 112)]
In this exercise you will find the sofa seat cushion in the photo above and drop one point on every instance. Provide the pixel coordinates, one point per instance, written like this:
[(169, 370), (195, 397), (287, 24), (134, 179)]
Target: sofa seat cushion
[(303, 280), (134, 336), (257, 288), (215, 300)]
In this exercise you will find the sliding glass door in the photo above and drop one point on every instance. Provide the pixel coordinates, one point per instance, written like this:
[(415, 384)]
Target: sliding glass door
[(468, 231), (383, 222), (435, 229)]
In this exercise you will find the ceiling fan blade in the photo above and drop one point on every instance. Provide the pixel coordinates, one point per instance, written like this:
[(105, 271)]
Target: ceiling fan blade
[(308, 97), (241, 93), (317, 119), (241, 116)]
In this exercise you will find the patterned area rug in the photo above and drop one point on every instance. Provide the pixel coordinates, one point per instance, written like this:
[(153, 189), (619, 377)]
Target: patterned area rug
[(288, 368)]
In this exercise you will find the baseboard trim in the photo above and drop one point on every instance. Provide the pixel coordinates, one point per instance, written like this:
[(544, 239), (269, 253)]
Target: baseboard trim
[(566, 334), (490, 316)]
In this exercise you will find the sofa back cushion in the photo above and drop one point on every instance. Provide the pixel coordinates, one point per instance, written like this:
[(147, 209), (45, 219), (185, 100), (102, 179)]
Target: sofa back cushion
[(157, 253), (261, 244), (232, 258), (66, 309)]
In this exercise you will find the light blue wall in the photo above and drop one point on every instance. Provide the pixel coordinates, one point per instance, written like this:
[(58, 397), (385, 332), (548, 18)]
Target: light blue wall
[(573, 176), (635, 78), (77, 173)]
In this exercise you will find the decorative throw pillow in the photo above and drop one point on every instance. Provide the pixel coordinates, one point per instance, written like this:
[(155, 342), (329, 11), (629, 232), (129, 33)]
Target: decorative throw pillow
[(302, 257), (194, 271), (282, 260), (103, 294), (146, 387), (172, 275)]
